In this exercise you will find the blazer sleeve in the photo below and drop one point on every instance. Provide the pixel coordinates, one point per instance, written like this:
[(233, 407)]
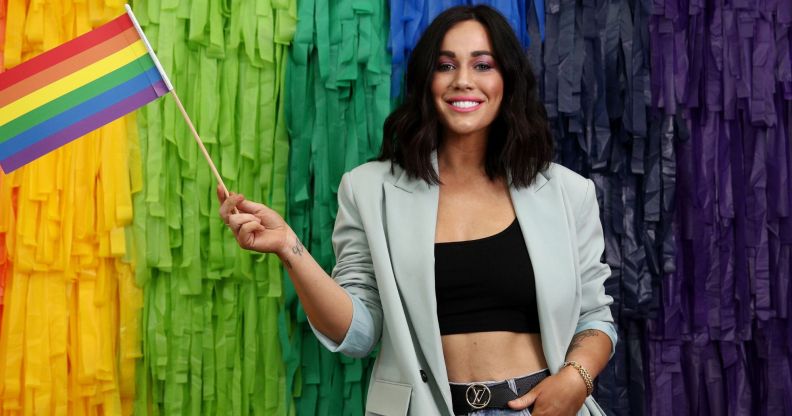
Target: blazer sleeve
[(354, 272), (595, 310)]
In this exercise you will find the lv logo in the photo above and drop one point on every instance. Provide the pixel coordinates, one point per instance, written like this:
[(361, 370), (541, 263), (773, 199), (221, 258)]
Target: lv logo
[(478, 396)]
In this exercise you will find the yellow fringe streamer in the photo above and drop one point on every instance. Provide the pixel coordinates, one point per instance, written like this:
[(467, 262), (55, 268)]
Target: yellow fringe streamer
[(68, 345)]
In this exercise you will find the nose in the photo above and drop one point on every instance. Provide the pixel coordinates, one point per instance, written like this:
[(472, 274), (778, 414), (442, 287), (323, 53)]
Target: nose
[(462, 79)]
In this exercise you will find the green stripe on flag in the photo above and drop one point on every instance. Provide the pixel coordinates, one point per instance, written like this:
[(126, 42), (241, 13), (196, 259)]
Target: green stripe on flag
[(74, 98)]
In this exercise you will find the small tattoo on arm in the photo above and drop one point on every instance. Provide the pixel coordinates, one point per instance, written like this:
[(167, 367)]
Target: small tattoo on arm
[(576, 340), (298, 248)]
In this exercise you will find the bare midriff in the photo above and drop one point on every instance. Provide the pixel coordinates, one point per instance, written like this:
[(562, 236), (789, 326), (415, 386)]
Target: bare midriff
[(492, 356)]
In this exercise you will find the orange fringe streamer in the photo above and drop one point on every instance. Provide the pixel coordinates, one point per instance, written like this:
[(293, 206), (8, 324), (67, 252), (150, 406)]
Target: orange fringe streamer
[(68, 344)]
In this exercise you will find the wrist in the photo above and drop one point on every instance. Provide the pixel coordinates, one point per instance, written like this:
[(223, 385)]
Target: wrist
[(581, 373), (290, 245)]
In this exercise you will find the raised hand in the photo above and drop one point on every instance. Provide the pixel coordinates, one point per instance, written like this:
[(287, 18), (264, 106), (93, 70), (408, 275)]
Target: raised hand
[(255, 226)]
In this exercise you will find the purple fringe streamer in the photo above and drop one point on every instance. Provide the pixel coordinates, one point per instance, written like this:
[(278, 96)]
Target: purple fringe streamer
[(722, 80)]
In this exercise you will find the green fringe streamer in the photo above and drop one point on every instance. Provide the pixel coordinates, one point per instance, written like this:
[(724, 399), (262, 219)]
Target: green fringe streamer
[(338, 96), (210, 318)]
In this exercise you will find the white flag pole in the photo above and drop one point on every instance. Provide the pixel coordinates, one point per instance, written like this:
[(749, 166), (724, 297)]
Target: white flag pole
[(148, 47), (176, 97)]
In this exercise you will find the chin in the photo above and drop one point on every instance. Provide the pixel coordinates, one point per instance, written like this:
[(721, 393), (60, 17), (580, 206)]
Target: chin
[(464, 130)]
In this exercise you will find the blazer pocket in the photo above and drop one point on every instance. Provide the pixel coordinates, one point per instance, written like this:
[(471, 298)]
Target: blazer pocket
[(387, 398)]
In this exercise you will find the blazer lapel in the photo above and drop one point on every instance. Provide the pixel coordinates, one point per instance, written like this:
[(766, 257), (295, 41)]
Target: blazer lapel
[(542, 214), (410, 219)]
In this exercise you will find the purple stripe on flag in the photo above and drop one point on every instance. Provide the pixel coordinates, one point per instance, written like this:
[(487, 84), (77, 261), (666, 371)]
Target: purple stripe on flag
[(82, 127), (160, 88)]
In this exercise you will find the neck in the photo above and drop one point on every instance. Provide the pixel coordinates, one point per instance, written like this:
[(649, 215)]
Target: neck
[(463, 155)]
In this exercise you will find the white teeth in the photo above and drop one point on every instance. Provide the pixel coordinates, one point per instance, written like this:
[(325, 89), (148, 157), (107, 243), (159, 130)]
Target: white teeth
[(464, 104)]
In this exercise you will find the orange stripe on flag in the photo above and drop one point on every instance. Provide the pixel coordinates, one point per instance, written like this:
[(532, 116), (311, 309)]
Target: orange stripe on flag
[(68, 66)]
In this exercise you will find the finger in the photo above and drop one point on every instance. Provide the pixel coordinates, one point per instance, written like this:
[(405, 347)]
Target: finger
[(523, 402), (247, 234), (221, 193), (236, 221), (232, 199), (228, 206), (252, 207)]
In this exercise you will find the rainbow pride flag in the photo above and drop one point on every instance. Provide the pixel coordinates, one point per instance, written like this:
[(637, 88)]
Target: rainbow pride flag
[(75, 88)]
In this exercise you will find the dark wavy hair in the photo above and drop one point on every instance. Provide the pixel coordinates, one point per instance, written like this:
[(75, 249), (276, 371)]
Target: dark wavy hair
[(520, 143)]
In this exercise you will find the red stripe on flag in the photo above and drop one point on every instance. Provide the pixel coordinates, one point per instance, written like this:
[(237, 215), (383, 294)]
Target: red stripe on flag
[(68, 66), (65, 51)]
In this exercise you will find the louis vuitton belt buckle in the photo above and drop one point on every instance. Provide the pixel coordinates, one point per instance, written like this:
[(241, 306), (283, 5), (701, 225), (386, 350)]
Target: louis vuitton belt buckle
[(478, 396)]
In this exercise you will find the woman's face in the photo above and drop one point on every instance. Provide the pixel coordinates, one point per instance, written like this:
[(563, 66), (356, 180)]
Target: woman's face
[(467, 85)]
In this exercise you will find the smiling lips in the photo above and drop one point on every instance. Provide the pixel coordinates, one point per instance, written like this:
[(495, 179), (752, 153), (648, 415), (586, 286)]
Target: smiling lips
[(464, 104)]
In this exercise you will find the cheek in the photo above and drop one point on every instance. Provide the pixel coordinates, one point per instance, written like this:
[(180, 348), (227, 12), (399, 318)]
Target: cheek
[(438, 87), (495, 88), (497, 98)]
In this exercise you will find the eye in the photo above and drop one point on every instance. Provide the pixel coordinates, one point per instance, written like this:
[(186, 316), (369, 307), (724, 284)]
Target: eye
[(445, 67), (482, 66)]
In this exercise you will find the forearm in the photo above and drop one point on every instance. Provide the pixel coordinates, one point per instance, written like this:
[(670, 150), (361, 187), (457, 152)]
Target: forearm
[(591, 349), (327, 305)]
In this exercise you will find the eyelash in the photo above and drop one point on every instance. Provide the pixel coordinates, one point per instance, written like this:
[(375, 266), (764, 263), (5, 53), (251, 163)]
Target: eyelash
[(480, 66)]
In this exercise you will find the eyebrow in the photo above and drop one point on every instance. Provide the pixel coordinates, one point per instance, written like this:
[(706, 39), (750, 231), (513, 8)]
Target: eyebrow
[(474, 53)]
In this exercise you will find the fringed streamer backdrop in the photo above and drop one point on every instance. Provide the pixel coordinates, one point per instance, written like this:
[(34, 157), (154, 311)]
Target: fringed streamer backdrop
[(409, 19), (3, 10), (594, 71), (338, 98), (691, 163), (69, 338), (4, 265), (210, 317), (722, 77)]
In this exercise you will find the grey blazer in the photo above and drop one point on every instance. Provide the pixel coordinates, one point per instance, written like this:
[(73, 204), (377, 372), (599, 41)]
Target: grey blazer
[(384, 246)]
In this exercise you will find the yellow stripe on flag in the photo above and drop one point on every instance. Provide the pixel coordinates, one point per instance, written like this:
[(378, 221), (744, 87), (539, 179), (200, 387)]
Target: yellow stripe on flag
[(71, 82)]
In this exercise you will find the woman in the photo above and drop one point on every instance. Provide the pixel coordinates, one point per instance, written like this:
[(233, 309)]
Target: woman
[(471, 259)]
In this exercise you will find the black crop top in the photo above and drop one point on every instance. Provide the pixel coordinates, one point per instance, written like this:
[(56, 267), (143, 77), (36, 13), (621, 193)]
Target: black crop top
[(486, 285)]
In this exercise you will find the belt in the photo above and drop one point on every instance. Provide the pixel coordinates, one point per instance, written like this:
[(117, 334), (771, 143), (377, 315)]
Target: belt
[(470, 397)]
